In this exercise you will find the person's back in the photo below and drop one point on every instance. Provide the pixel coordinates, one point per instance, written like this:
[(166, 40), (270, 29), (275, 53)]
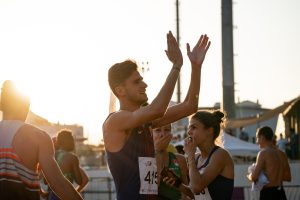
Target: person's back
[(18, 178), (286, 175), (67, 161), (273, 171), (269, 162), (22, 148)]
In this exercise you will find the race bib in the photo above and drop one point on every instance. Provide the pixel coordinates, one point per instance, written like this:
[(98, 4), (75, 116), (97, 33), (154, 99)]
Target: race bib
[(148, 175), (204, 194)]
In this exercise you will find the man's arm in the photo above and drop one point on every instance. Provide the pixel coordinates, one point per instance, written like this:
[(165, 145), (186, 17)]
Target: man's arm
[(190, 103), (158, 107), (199, 181), (57, 182), (258, 167)]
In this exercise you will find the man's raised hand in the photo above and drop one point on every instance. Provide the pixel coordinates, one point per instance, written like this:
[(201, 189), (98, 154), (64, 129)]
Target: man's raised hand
[(173, 51), (198, 53)]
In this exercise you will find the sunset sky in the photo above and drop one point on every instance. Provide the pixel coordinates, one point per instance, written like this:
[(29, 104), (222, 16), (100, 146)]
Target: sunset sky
[(59, 51)]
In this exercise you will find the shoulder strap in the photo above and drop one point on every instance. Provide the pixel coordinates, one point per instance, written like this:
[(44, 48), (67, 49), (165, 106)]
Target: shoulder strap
[(197, 158), (8, 130), (209, 156)]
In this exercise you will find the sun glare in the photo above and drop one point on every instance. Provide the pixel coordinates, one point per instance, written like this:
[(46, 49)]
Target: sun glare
[(22, 88), (43, 98)]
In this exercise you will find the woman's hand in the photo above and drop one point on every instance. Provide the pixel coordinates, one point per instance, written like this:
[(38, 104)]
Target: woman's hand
[(189, 146)]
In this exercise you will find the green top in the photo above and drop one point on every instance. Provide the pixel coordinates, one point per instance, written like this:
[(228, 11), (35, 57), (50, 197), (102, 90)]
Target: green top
[(164, 191), (59, 156)]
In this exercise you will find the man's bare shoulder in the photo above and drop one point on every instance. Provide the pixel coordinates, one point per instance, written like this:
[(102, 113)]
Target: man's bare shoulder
[(34, 132), (115, 115), (113, 135), (114, 119), (72, 157), (32, 129), (263, 152), (267, 153)]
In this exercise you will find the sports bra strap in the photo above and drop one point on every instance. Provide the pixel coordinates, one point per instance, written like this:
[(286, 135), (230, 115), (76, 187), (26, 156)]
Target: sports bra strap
[(208, 158)]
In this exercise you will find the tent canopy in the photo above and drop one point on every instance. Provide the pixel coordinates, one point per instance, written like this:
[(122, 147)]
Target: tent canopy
[(237, 147)]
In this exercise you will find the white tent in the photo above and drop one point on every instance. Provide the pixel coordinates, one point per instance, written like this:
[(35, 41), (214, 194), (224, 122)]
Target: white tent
[(237, 147)]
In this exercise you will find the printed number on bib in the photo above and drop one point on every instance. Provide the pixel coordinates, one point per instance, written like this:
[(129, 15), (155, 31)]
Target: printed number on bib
[(148, 175), (151, 177)]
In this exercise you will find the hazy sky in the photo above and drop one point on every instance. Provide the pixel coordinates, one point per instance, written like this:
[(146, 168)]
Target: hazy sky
[(59, 51)]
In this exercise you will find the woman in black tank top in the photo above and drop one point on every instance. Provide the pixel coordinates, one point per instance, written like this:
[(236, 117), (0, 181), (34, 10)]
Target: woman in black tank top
[(211, 171)]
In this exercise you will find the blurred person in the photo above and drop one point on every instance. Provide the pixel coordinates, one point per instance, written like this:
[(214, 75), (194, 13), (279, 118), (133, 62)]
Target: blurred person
[(243, 134), (172, 161), (294, 144), (180, 149), (268, 162), (211, 171), (84, 176), (68, 161), (281, 143), (286, 168), (127, 132), (171, 148), (19, 177)]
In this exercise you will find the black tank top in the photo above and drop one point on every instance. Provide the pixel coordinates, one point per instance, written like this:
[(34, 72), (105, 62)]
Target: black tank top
[(124, 166), (220, 188)]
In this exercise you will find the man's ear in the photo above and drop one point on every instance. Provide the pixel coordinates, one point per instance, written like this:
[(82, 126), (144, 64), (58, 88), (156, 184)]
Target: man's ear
[(120, 91)]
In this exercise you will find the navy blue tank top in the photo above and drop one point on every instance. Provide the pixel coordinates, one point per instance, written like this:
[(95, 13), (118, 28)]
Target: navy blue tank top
[(220, 188), (124, 165)]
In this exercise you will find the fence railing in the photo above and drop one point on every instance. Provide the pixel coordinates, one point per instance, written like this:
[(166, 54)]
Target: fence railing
[(100, 188)]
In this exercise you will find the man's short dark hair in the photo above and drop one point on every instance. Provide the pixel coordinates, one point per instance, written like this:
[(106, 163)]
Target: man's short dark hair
[(266, 132), (119, 72)]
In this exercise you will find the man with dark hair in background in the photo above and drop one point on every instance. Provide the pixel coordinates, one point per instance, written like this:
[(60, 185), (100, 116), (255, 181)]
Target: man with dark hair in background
[(268, 162)]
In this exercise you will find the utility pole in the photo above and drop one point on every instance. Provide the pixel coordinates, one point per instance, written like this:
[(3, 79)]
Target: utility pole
[(228, 104), (178, 37)]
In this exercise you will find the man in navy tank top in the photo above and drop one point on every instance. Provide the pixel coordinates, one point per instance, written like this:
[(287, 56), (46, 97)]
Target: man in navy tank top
[(127, 133)]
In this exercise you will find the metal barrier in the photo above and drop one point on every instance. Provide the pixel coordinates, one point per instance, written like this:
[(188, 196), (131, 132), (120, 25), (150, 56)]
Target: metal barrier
[(99, 188)]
